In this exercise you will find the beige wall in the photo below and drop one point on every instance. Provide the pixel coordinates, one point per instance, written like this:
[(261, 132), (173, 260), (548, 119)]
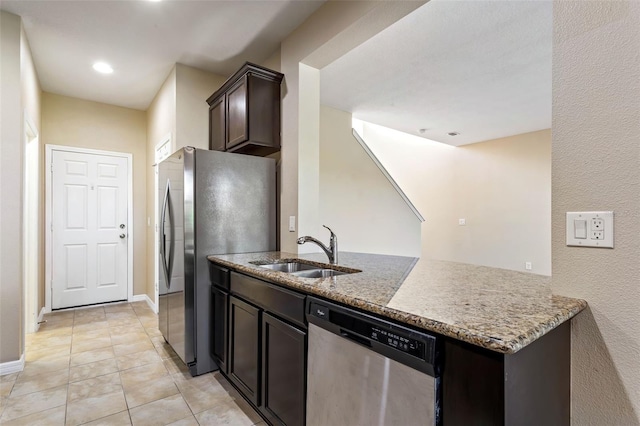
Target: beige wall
[(79, 123), (30, 86), (596, 166), (31, 101), (11, 172), (330, 32), (308, 156), (273, 61), (161, 121), (356, 199), (161, 116), (193, 87), (502, 188), (20, 100), (179, 109)]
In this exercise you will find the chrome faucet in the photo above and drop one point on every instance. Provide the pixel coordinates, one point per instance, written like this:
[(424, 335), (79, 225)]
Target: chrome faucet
[(332, 251)]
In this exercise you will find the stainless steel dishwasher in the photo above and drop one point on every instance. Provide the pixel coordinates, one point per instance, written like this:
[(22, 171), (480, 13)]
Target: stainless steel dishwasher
[(364, 370)]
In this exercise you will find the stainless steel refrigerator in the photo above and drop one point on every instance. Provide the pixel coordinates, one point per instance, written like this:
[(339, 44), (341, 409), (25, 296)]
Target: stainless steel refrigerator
[(211, 202)]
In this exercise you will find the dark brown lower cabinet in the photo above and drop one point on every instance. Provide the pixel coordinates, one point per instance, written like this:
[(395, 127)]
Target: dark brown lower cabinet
[(283, 372), (529, 388), (267, 347), (219, 351), (244, 350), (260, 343)]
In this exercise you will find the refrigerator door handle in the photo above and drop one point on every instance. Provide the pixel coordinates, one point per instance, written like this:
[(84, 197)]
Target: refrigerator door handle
[(173, 235), (163, 245)]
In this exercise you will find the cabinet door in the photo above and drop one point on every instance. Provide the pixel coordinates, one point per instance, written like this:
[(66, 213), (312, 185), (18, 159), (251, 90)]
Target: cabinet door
[(237, 123), (244, 354), (219, 328), (283, 372), (217, 125)]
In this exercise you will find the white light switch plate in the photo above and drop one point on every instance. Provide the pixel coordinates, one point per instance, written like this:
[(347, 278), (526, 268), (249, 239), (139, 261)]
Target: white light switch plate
[(292, 224), (599, 229)]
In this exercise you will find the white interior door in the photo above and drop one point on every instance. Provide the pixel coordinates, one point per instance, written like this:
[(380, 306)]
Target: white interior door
[(89, 229)]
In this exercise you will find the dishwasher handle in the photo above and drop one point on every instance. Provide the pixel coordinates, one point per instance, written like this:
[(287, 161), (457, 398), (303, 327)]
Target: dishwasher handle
[(355, 338)]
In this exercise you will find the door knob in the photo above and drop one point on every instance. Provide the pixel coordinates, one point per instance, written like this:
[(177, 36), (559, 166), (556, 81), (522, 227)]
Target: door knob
[(122, 235)]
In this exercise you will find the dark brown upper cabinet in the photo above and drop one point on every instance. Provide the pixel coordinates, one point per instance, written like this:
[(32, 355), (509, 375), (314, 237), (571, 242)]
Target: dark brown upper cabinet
[(217, 126), (244, 113)]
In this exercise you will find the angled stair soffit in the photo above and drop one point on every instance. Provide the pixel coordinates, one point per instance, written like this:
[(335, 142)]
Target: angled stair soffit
[(386, 174)]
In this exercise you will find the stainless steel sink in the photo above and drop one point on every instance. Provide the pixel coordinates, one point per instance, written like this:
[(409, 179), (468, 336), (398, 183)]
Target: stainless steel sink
[(319, 273), (289, 267), (305, 270)]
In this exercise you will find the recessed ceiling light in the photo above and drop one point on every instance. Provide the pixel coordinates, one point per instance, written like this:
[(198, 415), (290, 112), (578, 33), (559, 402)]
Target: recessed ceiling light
[(103, 67), (453, 133)]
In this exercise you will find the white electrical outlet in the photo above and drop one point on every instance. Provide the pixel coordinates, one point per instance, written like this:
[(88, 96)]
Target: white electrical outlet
[(292, 224), (462, 222), (597, 224), (527, 266), (590, 229)]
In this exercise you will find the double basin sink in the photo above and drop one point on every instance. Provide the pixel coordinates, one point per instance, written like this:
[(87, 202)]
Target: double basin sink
[(306, 270)]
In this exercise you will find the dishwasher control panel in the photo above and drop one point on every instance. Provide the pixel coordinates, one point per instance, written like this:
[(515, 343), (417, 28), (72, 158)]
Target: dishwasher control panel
[(392, 339), (405, 344)]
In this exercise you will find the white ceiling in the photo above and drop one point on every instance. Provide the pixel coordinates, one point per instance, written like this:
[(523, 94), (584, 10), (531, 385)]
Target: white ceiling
[(480, 68), (142, 40)]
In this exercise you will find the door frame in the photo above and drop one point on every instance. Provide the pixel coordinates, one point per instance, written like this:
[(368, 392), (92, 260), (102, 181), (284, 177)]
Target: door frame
[(49, 149)]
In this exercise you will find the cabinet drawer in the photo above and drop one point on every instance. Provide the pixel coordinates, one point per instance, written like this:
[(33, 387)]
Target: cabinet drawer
[(219, 276), (282, 302)]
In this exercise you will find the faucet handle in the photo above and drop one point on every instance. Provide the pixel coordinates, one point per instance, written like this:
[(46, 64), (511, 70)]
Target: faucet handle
[(333, 244)]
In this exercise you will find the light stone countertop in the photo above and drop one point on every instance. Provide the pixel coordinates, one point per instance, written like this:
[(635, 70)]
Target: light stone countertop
[(497, 309)]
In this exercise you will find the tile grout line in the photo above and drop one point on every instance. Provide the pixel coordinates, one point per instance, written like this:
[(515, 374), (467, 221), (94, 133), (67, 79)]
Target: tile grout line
[(162, 353)]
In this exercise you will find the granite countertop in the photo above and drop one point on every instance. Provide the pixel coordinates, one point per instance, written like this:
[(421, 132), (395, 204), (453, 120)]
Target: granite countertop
[(497, 309)]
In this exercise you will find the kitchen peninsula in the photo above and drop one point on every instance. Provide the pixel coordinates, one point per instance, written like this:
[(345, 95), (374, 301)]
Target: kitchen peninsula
[(506, 337)]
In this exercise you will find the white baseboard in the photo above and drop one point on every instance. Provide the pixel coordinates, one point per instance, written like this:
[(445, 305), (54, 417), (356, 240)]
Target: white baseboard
[(12, 366), (145, 298)]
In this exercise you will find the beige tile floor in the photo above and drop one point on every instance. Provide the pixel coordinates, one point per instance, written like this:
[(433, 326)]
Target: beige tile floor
[(110, 365)]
